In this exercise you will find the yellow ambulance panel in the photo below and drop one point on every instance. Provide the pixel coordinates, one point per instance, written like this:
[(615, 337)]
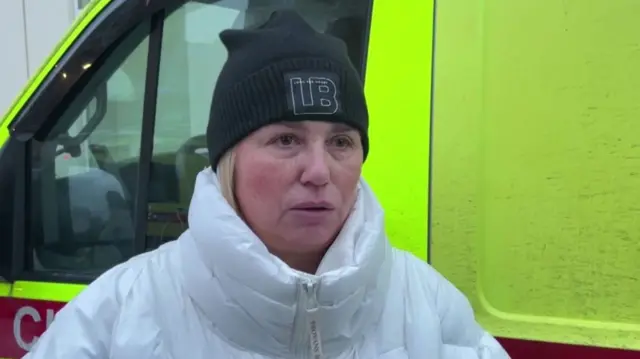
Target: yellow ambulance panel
[(536, 158)]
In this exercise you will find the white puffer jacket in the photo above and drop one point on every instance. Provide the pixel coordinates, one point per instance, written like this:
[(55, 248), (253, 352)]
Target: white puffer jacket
[(218, 293)]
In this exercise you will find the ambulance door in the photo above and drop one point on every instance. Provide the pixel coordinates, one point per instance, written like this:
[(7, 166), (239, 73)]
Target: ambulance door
[(67, 213), (103, 154), (536, 179)]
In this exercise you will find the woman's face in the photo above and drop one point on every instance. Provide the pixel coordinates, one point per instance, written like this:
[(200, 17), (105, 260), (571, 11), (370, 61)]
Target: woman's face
[(295, 183)]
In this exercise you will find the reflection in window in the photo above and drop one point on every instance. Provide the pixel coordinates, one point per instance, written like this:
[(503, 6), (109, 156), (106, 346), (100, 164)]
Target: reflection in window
[(84, 174)]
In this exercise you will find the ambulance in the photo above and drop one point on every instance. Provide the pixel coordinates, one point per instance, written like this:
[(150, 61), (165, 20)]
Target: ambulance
[(505, 151)]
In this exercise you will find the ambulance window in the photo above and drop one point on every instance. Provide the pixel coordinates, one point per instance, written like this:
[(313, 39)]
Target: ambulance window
[(83, 175), (192, 57)]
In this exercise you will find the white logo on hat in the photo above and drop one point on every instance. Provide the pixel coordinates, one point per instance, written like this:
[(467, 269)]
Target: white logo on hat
[(312, 94)]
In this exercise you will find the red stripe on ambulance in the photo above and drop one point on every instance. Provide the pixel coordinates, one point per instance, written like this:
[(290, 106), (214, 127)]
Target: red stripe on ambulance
[(21, 322), (526, 349)]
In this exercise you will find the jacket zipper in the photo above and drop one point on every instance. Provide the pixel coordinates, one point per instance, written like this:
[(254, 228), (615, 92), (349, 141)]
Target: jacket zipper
[(309, 340)]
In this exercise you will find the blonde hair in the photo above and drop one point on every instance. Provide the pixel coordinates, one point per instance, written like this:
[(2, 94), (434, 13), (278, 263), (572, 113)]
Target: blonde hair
[(225, 173)]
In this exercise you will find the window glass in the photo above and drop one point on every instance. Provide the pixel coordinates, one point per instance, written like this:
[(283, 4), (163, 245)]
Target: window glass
[(83, 178), (191, 60)]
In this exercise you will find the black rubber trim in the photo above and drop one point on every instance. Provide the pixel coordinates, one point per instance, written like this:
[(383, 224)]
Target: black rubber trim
[(21, 205), (148, 128), (365, 41)]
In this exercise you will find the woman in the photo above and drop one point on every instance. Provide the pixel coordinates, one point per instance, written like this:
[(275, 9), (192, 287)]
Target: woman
[(286, 255)]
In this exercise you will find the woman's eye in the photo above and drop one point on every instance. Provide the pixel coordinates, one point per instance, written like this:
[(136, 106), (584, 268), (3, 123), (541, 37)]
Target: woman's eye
[(286, 140), (342, 142)]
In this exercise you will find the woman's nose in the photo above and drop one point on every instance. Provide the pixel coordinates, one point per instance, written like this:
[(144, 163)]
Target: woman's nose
[(316, 167)]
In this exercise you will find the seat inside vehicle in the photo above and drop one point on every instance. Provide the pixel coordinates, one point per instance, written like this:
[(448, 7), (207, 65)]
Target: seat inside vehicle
[(84, 223), (163, 183)]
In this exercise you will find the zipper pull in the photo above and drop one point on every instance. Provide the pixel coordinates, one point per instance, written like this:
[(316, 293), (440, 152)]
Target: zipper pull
[(315, 340)]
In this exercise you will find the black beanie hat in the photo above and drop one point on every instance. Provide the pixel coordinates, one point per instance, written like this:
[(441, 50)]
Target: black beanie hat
[(283, 71)]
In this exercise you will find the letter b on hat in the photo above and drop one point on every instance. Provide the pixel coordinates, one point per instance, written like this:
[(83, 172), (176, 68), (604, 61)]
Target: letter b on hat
[(313, 93)]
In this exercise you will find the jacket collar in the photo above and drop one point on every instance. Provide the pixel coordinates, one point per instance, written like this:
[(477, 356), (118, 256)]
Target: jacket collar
[(259, 303)]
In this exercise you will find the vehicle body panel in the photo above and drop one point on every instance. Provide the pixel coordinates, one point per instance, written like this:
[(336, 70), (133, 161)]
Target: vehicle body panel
[(534, 177), (27, 309)]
